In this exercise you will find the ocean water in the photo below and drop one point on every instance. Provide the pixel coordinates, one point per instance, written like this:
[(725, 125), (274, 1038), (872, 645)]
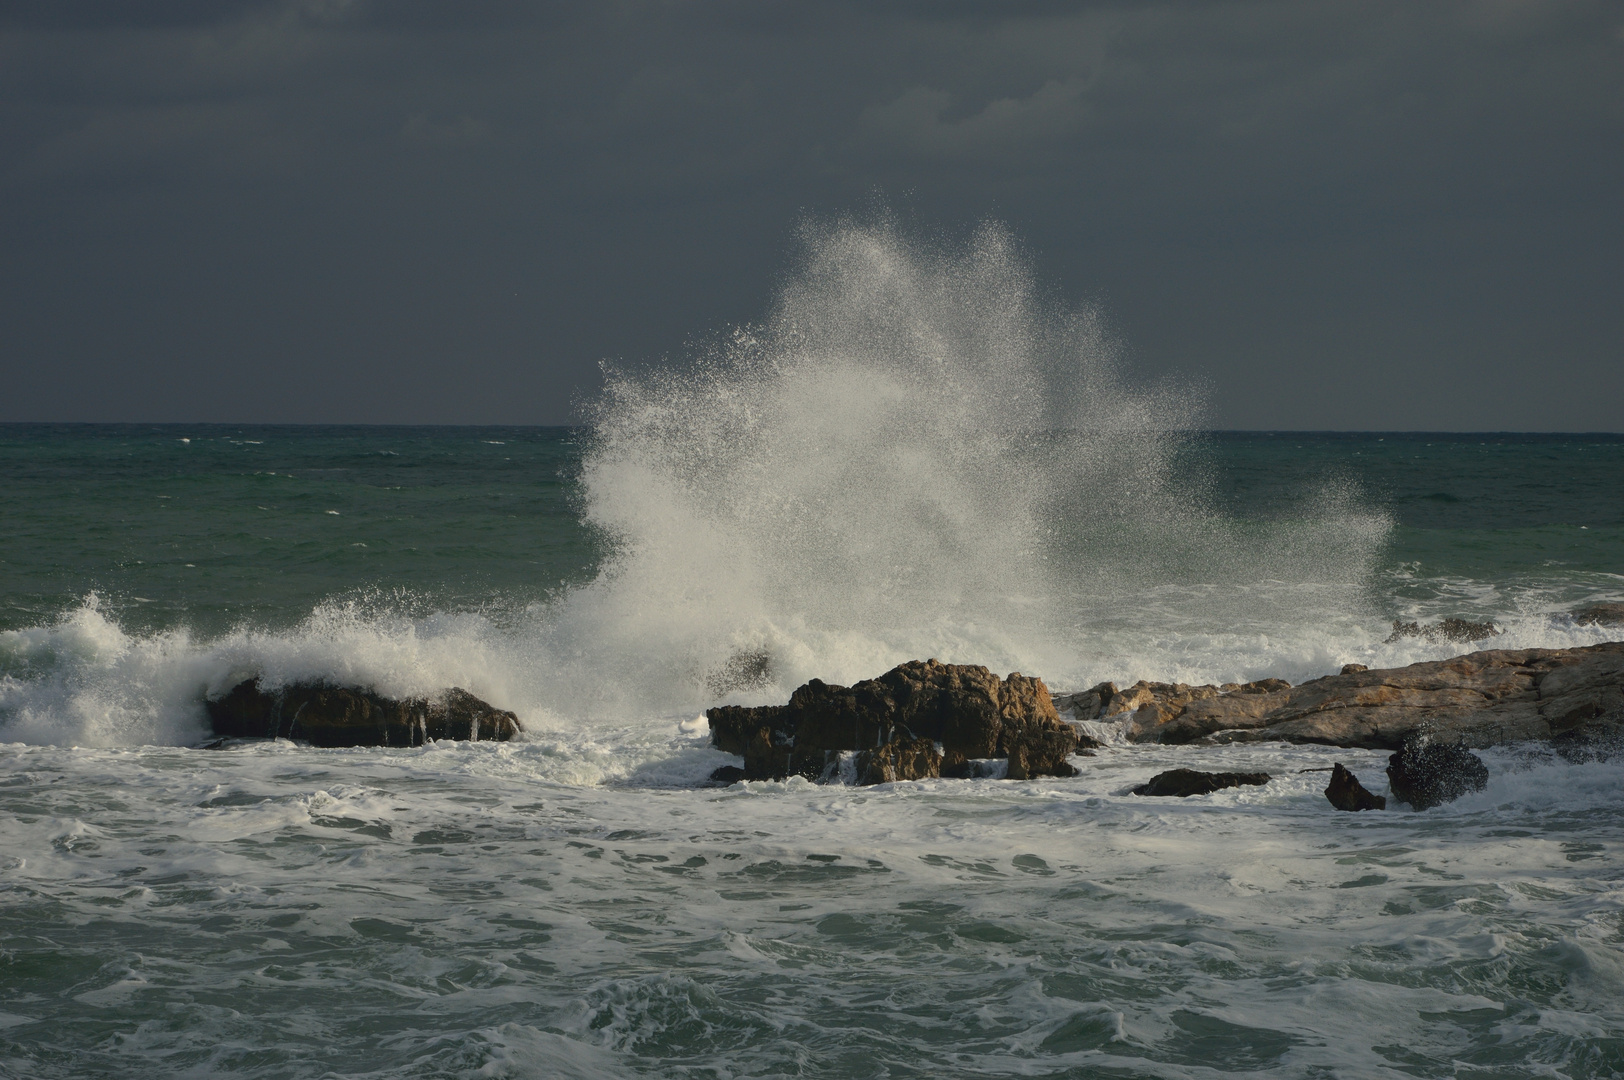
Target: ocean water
[(914, 454)]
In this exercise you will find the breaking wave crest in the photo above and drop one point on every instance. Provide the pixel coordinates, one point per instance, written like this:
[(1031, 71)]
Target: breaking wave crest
[(917, 453)]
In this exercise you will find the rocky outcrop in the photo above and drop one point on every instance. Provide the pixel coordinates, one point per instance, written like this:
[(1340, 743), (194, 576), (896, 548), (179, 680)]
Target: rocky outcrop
[(1146, 708), (1426, 774), (1182, 783), (1480, 699), (325, 715), (919, 719), (1346, 792)]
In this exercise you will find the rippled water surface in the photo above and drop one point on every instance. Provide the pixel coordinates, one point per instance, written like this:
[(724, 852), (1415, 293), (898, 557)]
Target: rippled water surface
[(277, 911)]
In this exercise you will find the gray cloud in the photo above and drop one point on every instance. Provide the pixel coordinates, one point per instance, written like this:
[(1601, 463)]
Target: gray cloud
[(1343, 214)]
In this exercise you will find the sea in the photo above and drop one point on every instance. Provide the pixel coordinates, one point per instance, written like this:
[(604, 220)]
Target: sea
[(917, 453)]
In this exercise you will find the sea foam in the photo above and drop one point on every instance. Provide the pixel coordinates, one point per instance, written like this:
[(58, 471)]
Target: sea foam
[(917, 453)]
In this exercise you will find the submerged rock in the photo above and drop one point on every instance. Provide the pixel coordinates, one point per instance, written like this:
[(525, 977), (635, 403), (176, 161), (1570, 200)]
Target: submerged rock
[(1481, 699), (1604, 614), (324, 715), (1599, 743), (1426, 774), (743, 671), (1346, 792), (727, 774), (1459, 631), (962, 711), (1182, 783)]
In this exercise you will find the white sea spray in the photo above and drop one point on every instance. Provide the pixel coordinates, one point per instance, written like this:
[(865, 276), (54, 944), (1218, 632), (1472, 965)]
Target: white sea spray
[(917, 453)]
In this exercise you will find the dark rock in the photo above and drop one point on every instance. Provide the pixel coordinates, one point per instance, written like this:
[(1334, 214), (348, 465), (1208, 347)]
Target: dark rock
[(1347, 793), (727, 774), (326, 715), (1353, 669), (902, 759), (1186, 782), (734, 726), (965, 709), (1459, 631), (1610, 613), (1425, 774)]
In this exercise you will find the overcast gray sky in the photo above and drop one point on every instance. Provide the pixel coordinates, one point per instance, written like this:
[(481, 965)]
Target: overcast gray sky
[(1338, 214)]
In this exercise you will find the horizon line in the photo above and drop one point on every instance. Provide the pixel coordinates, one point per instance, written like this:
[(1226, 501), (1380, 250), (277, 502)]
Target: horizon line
[(1453, 432)]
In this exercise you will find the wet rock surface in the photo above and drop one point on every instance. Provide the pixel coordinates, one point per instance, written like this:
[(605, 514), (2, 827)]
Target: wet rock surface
[(1606, 614), (901, 759), (1486, 698), (1458, 631), (1427, 774), (923, 718), (1345, 792), (333, 716), (727, 774), (1182, 783)]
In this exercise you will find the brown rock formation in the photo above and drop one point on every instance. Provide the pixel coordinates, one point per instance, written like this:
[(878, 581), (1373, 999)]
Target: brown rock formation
[(964, 709), (900, 759), (1346, 792), (343, 716), (1182, 783), (1146, 707), (1481, 699)]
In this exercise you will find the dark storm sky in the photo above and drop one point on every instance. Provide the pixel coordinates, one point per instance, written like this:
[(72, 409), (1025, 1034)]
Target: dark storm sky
[(1338, 214)]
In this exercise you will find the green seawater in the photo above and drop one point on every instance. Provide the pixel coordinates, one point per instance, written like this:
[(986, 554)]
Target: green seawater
[(213, 526), (578, 904)]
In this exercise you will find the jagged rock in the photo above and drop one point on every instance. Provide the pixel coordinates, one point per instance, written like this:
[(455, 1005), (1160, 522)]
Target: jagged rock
[(1425, 774), (1459, 631), (326, 715), (1353, 669), (727, 774), (900, 759), (965, 709), (1347, 793), (1610, 613), (1186, 782), (1145, 707), (1482, 699), (1088, 704)]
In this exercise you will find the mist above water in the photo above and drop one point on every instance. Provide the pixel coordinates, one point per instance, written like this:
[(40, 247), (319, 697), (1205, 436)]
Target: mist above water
[(920, 453)]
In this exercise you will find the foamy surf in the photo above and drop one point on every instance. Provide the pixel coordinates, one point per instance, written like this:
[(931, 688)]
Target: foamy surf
[(912, 456)]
